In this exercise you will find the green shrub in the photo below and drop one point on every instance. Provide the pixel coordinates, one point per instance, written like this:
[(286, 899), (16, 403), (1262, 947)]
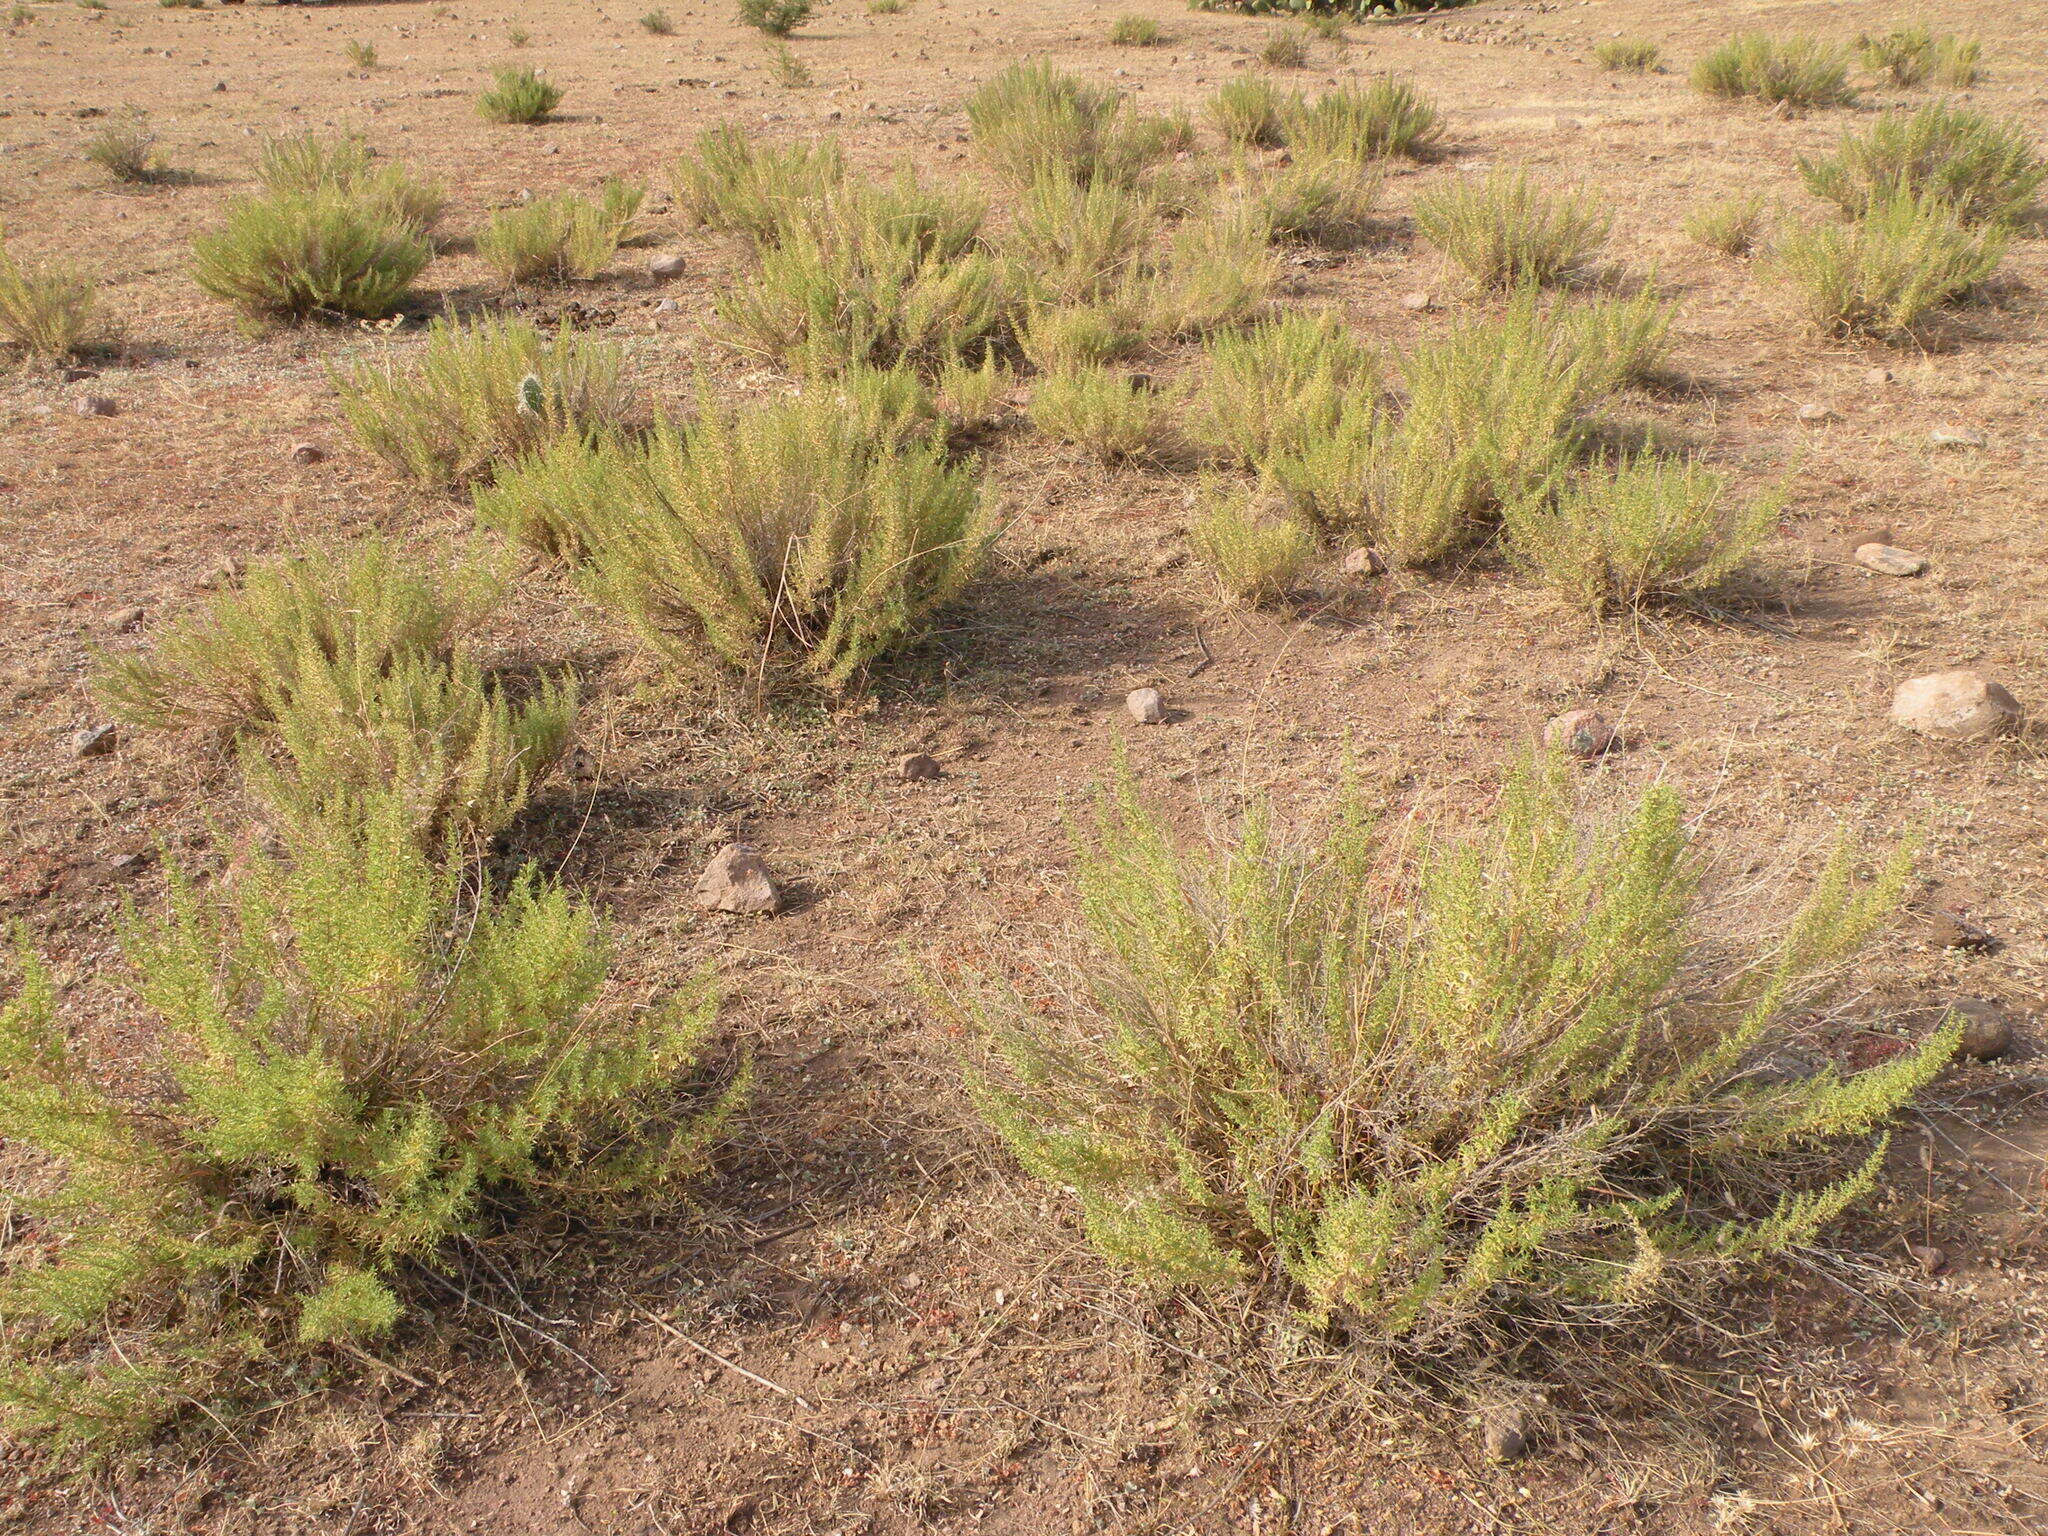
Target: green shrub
[(1109, 414), (1285, 48), (46, 312), (1080, 241), (1319, 201), (1795, 72), (560, 239), (293, 256), (1279, 386), (1445, 1103), (1621, 534), (1386, 118), (789, 71), (732, 183), (355, 612), (776, 18), (782, 537), (1132, 31), (360, 55), (1882, 274), (1620, 341), (518, 95), (369, 1056), (1505, 232), (1250, 112), (1255, 558), (1638, 55), (1218, 271), (544, 498), (1958, 64), (475, 394), (658, 23), (1031, 120), (1911, 55), (887, 7), (1060, 339), (970, 400), (518, 36), (1732, 226), (126, 152), (315, 163), (1983, 168)]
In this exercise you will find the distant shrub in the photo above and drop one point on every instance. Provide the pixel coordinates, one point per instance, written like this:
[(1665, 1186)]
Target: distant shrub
[(1984, 168), (1279, 386), (777, 18), (1505, 232), (360, 55), (1619, 341), (1912, 55), (1793, 71), (518, 36), (1958, 64), (1064, 338), (1080, 241), (1319, 201), (1032, 119), (1638, 55), (1386, 118), (295, 256), (1732, 226), (126, 152), (1882, 274), (1285, 48), (46, 311), (1132, 31), (658, 23), (1111, 415), (476, 394), (1618, 535), (1444, 1102), (1218, 271), (789, 71), (887, 7), (345, 165), (1250, 112), (1255, 557), (560, 239), (518, 95), (367, 1055), (732, 183)]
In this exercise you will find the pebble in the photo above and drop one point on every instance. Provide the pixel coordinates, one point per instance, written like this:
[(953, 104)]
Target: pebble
[(308, 453), (96, 405), (1581, 732), (1987, 1032), (1418, 302), (737, 880), (665, 266), (125, 620), (1364, 562), (1814, 411), (917, 767), (1888, 560), (668, 307), (1950, 931), (1956, 437), (95, 741), (1959, 705), (1507, 1438), (1145, 706), (1932, 1260)]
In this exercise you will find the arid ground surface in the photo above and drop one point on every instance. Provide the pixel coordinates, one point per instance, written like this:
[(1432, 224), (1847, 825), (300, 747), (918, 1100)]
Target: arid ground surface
[(944, 1353)]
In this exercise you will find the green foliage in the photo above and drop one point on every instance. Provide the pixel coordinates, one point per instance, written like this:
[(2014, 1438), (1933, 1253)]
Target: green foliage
[(1445, 1102), (1621, 341), (371, 1055), (1058, 339), (776, 18), (1912, 55), (1081, 241), (126, 152), (1795, 72), (356, 612), (732, 183), (294, 256), (518, 95), (1278, 387), (1250, 112), (1505, 232), (1112, 415), (790, 537), (1319, 201), (1958, 63), (789, 71), (346, 166), (1133, 31), (1732, 226), (659, 23), (1884, 273), (475, 394), (1255, 558), (1285, 48), (1032, 120), (46, 311), (1384, 119), (887, 7), (518, 36), (1218, 271), (1984, 168), (1618, 535), (1638, 55), (560, 239), (360, 55)]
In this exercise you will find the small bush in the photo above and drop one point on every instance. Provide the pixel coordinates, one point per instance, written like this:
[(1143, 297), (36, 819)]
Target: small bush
[(46, 312), (790, 72), (368, 1056), (776, 18), (1285, 48), (360, 55), (518, 95), (1443, 1103), (1279, 386), (1318, 201), (1031, 120), (1882, 274), (972, 399), (1130, 31), (1256, 558), (1111, 415), (560, 239), (1958, 64), (1218, 271), (1795, 72), (1507, 233), (476, 394), (1062, 339), (1616, 536), (1732, 226), (346, 166), (1250, 112), (1386, 118), (1983, 168), (357, 612), (731, 183), (299, 255), (1619, 341), (518, 36), (1637, 55), (887, 7), (1080, 241), (1912, 55), (783, 537), (658, 23), (127, 153)]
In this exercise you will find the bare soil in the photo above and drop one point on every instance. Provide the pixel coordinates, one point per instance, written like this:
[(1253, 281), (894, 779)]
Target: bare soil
[(873, 1324)]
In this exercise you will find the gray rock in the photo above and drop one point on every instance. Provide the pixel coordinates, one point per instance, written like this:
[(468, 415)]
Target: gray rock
[(668, 307), (1364, 562), (1956, 437), (308, 453), (1507, 1436), (666, 265), (1932, 1260), (737, 880), (96, 405), (1987, 1032), (917, 767), (1145, 706), (1814, 411), (1581, 732), (95, 740), (1960, 705), (1889, 560), (1418, 302)]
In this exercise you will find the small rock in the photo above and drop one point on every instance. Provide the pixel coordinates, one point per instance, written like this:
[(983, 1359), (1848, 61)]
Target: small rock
[(737, 881), (308, 453), (126, 866), (665, 266), (78, 375), (1145, 706), (1951, 931), (95, 741), (917, 767), (668, 307), (96, 405), (1815, 412), (579, 765), (1877, 376), (1956, 437), (1987, 1032), (227, 573), (1364, 562), (1932, 1260), (1507, 1437), (1889, 560), (1581, 732), (1961, 705), (1418, 302), (125, 620)]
